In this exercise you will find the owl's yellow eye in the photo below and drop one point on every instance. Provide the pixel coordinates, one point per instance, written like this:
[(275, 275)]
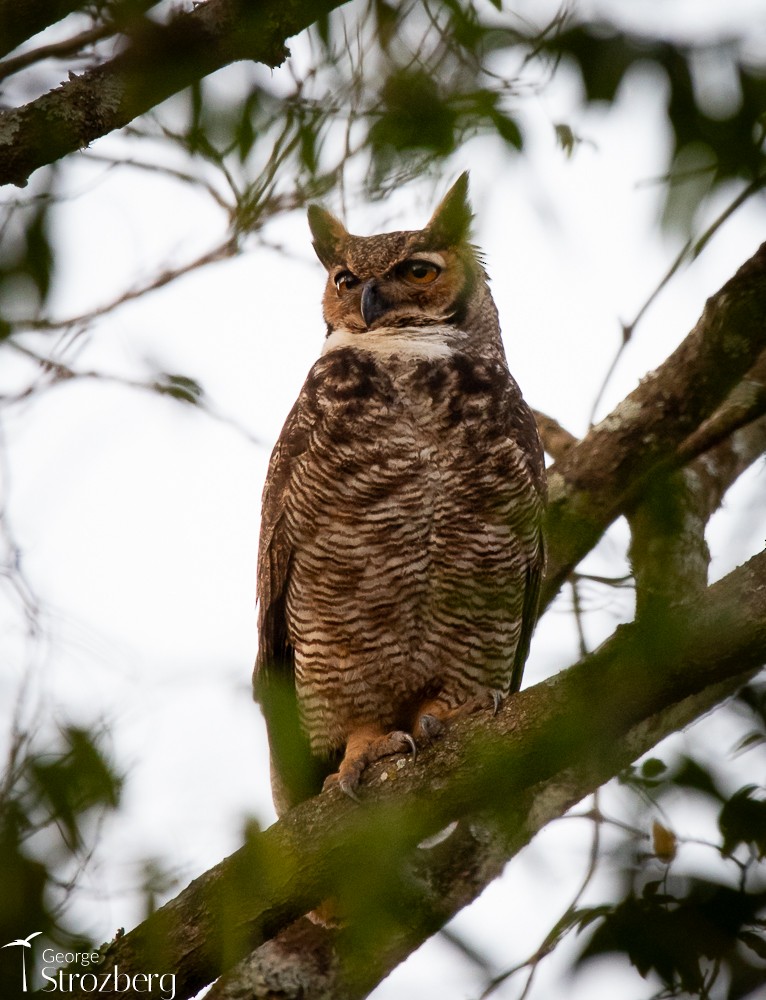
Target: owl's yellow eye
[(345, 281), (419, 272)]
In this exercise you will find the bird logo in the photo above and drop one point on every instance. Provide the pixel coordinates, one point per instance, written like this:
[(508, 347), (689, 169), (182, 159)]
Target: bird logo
[(23, 943)]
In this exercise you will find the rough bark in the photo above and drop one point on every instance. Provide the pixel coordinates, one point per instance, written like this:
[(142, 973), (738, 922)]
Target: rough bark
[(158, 60)]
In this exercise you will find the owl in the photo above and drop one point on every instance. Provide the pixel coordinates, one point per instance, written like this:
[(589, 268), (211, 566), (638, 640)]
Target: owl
[(401, 545)]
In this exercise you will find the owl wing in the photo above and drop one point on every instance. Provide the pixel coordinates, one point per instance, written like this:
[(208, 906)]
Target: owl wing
[(534, 576), (295, 773), (524, 430)]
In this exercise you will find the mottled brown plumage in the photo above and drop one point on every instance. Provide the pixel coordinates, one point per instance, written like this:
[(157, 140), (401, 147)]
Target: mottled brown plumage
[(401, 548)]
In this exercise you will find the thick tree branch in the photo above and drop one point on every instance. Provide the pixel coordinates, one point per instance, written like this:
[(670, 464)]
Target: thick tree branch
[(485, 768), (158, 61), (310, 962), (596, 479)]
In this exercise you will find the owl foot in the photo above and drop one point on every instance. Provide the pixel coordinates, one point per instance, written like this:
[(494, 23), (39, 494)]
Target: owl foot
[(363, 748), (434, 717), (429, 728), (490, 699)]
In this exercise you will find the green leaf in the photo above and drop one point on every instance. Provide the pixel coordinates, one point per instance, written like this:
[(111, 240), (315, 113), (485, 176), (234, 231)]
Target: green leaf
[(386, 22), (566, 138), (39, 254), (752, 739), (414, 115), (188, 390), (653, 767), (508, 130), (742, 820), (691, 775)]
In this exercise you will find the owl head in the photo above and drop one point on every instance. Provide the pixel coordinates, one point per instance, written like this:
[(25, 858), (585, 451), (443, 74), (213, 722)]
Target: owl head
[(416, 278)]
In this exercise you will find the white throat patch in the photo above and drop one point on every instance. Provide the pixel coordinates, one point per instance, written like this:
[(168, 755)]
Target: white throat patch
[(439, 341)]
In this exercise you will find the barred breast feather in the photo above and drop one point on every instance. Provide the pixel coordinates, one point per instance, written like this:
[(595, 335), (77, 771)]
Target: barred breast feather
[(401, 549)]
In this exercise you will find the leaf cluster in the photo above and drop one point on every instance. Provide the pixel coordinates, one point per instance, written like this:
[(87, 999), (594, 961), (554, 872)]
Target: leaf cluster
[(713, 141), (51, 800), (690, 934), (26, 260)]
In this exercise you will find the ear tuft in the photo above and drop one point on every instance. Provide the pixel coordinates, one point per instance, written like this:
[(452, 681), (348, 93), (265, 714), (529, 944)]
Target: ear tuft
[(451, 222), (329, 234)]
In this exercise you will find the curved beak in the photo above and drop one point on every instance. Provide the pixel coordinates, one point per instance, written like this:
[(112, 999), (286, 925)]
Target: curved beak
[(374, 302)]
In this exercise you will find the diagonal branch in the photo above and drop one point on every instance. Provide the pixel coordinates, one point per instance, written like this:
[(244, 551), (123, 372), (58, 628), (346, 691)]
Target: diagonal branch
[(56, 50), (596, 478), (157, 62), (745, 404), (543, 752)]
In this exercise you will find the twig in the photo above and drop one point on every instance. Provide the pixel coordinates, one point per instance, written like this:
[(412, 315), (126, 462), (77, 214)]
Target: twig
[(221, 252), (62, 372), (689, 252), (70, 46)]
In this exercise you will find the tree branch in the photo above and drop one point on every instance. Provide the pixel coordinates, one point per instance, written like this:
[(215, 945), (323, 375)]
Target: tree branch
[(69, 47), (542, 752), (308, 962), (744, 404), (596, 479), (557, 440), (158, 61)]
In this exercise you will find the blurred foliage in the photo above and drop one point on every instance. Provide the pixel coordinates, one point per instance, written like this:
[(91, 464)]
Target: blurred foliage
[(405, 85), (51, 801), (690, 932), (701, 932), (181, 387), (26, 259)]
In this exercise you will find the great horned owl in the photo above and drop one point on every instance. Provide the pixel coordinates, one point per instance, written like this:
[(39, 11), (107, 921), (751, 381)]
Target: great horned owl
[(401, 545)]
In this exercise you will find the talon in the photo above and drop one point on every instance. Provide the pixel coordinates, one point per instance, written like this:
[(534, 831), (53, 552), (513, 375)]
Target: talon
[(363, 748), (412, 745), (497, 701), (347, 786)]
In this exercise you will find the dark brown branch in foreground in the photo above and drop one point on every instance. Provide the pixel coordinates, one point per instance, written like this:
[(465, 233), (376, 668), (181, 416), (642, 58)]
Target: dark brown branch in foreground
[(307, 962), (158, 61), (498, 769)]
